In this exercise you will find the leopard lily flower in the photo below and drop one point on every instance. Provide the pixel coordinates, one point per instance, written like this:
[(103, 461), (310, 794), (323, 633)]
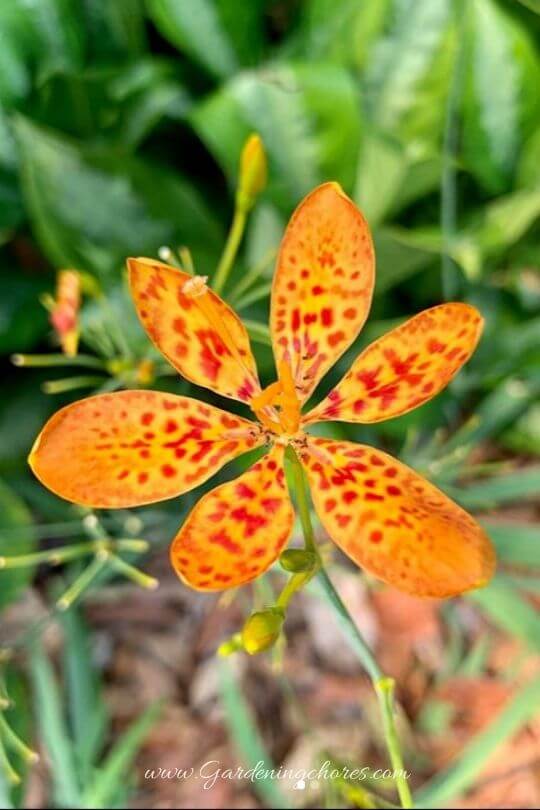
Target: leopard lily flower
[(137, 447)]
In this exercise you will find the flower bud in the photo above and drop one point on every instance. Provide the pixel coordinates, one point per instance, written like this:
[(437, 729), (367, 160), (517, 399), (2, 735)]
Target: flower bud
[(253, 172), (262, 630), (297, 560), (65, 310)]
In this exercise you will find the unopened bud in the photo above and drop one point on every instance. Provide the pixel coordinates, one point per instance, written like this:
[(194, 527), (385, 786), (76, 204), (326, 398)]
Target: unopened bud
[(65, 310), (262, 630), (297, 560), (253, 172)]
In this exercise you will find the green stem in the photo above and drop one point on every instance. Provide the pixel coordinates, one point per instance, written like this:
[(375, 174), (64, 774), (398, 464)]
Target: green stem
[(11, 775), (15, 742), (46, 360), (384, 686), (53, 556), (132, 573), (83, 581), (231, 248), (71, 384)]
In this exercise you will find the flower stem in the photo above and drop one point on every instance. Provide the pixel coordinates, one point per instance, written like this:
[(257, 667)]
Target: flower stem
[(231, 248), (384, 686), (15, 742), (132, 573), (53, 360)]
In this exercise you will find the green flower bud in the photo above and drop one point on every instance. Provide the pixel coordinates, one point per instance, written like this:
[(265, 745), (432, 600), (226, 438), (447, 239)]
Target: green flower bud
[(297, 560), (262, 630), (253, 171)]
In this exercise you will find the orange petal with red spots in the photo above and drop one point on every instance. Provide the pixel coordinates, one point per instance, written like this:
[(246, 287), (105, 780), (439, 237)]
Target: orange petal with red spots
[(237, 530), (323, 285), (135, 447), (194, 328), (394, 523), (404, 368)]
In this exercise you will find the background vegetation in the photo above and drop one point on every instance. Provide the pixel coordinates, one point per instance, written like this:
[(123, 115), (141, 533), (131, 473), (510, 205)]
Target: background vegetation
[(121, 125)]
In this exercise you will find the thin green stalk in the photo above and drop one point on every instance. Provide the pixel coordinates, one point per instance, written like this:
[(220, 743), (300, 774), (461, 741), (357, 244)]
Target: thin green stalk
[(132, 573), (71, 384), (10, 773), (83, 581), (231, 248), (15, 742), (53, 556), (46, 360), (384, 686)]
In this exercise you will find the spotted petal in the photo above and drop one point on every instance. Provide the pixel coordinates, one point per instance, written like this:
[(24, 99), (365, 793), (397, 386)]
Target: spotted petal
[(135, 447), (394, 523), (198, 333), (237, 530), (323, 285), (404, 368)]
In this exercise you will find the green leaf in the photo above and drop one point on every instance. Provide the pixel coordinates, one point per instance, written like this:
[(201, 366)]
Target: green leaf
[(452, 782), (524, 435), (516, 543), (92, 208), (518, 485), (53, 730), (246, 736), (110, 780), (17, 536), (87, 711), (114, 28), (194, 26), (407, 78), (501, 99), (342, 31), (503, 604), (396, 261), (392, 175), (307, 116), (40, 37)]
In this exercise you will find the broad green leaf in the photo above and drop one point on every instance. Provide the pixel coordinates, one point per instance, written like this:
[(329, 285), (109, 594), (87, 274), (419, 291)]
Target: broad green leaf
[(392, 175), (23, 320), (534, 5), (342, 30), (114, 28), (453, 781), (516, 543), (501, 93), (37, 37), (408, 74), (17, 536), (194, 26), (528, 170), (91, 209), (396, 260), (306, 115)]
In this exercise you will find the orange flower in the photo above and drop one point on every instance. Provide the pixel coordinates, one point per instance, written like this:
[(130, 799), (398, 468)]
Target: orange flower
[(137, 447)]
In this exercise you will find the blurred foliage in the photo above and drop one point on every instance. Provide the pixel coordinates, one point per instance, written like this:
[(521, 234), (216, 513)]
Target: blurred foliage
[(121, 126)]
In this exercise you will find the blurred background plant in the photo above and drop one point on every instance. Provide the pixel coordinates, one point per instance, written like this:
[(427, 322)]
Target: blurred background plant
[(121, 128)]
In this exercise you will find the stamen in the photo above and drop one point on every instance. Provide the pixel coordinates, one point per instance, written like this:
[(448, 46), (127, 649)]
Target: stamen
[(289, 402), (195, 287)]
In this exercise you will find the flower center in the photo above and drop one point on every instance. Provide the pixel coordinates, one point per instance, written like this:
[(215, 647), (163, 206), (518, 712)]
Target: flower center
[(280, 395)]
